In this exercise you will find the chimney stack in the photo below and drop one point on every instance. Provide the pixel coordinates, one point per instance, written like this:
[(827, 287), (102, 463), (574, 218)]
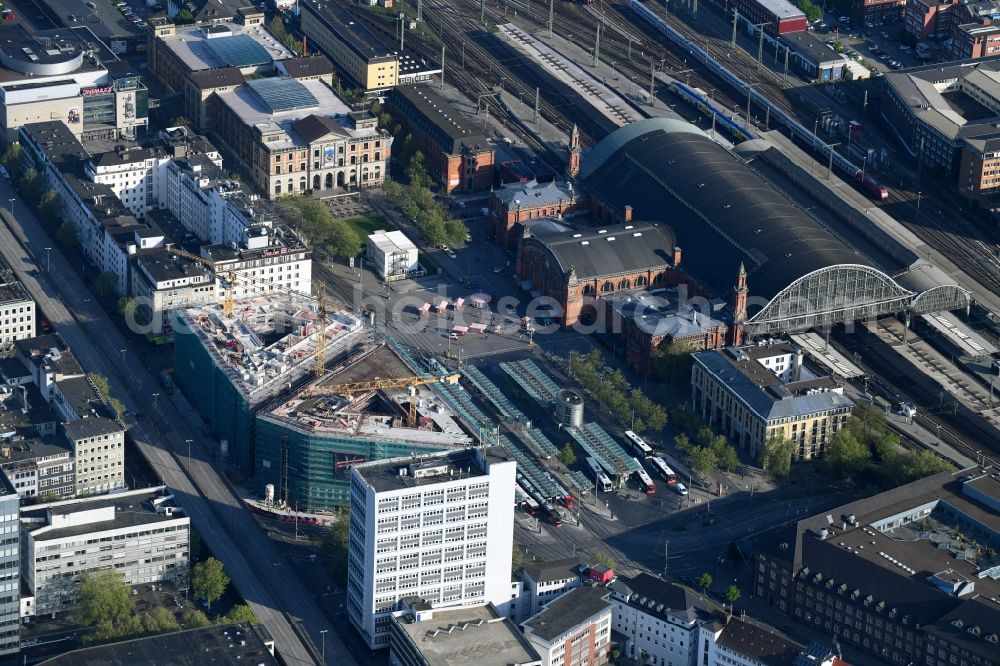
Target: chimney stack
[(628, 214), (677, 255)]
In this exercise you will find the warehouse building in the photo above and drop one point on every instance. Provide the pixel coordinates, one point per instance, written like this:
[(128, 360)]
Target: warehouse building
[(229, 366), (756, 392), (780, 16), (140, 533), (458, 154), (916, 563), (307, 444), (439, 527)]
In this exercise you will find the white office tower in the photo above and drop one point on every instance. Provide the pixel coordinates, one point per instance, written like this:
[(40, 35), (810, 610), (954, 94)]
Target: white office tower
[(439, 527)]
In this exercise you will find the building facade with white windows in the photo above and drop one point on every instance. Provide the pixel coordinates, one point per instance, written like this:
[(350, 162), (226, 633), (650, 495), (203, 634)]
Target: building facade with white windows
[(573, 630), (140, 533), (10, 569), (437, 526), (659, 619), (99, 449), (543, 582), (17, 308)]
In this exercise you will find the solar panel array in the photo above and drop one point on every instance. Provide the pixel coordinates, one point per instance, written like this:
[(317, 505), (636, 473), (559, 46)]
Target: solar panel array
[(238, 51), (281, 93)]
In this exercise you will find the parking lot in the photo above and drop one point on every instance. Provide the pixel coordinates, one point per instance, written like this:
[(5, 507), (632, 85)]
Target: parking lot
[(877, 44)]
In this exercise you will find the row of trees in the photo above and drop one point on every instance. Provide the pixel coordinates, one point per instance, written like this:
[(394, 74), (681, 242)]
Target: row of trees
[(863, 442), (314, 220), (629, 405), (106, 606), (30, 185), (100, 382), (672, 362), (417, 201)]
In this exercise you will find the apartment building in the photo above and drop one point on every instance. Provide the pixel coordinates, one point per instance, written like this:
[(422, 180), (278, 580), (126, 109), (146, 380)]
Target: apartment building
[(99, 450), (573, 630), (17, 308), (544, 581), (755, 392), (659, 619), (439, 527), (139, 533), (38, 467), (162, 282)]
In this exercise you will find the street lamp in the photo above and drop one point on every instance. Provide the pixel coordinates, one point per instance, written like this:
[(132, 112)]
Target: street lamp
[(155, 396), (322, 636), (121, 350), (48, 260), (188, 442), (12, 200)]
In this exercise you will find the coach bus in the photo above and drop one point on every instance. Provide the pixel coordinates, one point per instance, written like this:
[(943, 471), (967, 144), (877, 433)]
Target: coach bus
[(663, 470), (641, 448), (603, 482)]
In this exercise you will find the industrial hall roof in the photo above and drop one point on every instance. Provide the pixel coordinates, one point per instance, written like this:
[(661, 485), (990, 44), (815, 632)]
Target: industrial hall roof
[(721, 212), (608, 250)]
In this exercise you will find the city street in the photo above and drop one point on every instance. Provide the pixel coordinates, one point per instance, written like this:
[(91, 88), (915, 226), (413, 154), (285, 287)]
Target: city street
[(256, 569)]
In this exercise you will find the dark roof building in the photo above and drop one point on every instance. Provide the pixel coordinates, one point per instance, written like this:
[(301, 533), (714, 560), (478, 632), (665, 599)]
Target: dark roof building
[(895, 559), (220, 645), (738, 642), (726, 217)]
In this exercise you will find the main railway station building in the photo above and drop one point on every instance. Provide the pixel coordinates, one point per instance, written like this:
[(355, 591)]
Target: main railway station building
[(680, 212)]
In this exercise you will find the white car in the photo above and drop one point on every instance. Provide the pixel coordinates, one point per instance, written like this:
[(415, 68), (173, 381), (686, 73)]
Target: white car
[(681, 488)]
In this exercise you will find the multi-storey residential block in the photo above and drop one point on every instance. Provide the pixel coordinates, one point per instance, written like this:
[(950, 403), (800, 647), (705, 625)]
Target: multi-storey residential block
[(458, 154), (17, 308), (929, 19), (544, 581), (573, 630), (439, 527), (659, 618), (38, 467), (99, 449), (757, 392), (140, 533), (291, 136)]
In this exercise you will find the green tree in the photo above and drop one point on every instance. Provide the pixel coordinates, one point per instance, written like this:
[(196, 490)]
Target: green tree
[(334, 547), (566, 455), (66, 236), (682, 416), (845, 454), (776, 455), (180, 121), (48, 496), (416, 170), (49, 208), (813, 12), (184, 17), (342, 240), (456, 231), (683, 443), (912, 465), (604, 559), (100, 383), (277, 27), (31, 186), (240, 614), (732, 595), (106, 285), (159, 620), (194, 619), (672, 362), (869, 420), (430, 222), (13, 158), (885, 446), (703, 461), (209, 581), (705, 581), (725, 455), (516, 558), (105, 605)]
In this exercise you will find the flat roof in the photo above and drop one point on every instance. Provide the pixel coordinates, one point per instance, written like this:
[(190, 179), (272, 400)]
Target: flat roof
[(225, 44), (391, 241), (454, 127), (664, 314), (384, 475), (92, 426), (351, 32), (563, 569), (131, 509), (759, 644), (465, 636), (782, 9), (570, 610), (20, 448), (219, 645)]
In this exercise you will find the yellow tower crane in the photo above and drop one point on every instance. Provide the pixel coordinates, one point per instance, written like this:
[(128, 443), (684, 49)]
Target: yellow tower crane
[(378, 384), (230, 299)]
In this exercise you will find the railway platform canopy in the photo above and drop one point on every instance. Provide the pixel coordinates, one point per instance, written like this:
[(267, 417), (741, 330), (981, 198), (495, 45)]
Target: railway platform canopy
[(799, 274)]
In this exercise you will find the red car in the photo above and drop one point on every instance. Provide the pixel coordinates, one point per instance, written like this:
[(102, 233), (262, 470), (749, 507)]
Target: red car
[(8, 15)]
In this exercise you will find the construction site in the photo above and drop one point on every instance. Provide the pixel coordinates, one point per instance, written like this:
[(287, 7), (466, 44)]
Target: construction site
[(232, 361), (370, 409)]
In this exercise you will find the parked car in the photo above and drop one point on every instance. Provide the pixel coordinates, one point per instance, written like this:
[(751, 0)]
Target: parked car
[(4, 172)]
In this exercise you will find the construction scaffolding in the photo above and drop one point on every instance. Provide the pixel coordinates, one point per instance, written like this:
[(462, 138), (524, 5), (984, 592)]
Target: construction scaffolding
[(605, 450), (534, 382)]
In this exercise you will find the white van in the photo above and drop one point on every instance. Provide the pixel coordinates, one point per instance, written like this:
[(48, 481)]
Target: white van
[(681, 488)]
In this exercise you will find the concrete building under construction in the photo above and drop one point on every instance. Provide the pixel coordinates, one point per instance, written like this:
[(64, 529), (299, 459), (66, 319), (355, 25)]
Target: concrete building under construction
[(307, 444), (231, 367)]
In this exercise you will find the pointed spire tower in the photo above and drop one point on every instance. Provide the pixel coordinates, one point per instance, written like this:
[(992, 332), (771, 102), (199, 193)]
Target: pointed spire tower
[(573, 159), (739, 306)]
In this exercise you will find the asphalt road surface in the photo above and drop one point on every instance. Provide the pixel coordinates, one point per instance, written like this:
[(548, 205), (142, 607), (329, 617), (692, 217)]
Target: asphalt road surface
[(262, 577)]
